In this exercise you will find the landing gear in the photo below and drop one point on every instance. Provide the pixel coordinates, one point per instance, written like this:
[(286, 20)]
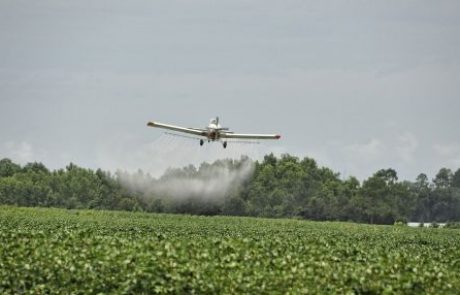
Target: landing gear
[(201, 142), (225, 144)]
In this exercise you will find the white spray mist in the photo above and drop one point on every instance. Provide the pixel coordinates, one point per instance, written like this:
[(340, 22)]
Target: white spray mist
[(210, 182)]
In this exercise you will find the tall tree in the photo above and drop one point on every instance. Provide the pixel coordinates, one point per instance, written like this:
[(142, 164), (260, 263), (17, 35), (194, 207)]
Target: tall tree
[(443, 179), (456, 179), (8, 168)]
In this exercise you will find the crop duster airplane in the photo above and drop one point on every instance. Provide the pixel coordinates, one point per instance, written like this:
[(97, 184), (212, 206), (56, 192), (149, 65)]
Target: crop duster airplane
[(214, 132)]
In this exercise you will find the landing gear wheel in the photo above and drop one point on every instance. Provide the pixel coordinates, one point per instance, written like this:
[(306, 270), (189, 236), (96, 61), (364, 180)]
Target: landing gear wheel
[(201, 142), (225, 144)]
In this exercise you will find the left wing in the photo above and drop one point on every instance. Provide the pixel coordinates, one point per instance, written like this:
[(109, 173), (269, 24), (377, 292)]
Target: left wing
[(250, 136), (194, 131)]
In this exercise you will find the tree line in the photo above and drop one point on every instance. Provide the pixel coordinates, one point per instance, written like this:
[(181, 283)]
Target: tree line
[(283, 186)]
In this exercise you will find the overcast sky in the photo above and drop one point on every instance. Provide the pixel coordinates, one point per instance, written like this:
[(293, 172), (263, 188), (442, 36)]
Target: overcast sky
[(357, 85)]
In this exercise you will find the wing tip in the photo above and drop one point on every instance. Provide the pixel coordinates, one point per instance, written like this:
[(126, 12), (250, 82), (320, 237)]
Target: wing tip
[(151, 124), (278, 136)]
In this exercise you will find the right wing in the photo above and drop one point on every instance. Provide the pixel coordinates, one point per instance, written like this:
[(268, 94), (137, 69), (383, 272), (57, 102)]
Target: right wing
[(199, 132), (250, 136)]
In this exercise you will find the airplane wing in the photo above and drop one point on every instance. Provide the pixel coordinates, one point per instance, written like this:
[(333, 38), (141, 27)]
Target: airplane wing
[(194, 131), (250, 136)]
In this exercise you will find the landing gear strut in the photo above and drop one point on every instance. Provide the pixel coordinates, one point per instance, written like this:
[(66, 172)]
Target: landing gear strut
[(201, 142), (225, 144)]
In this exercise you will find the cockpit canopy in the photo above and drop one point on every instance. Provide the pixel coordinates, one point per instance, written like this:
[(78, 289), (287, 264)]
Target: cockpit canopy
[(214, 123)]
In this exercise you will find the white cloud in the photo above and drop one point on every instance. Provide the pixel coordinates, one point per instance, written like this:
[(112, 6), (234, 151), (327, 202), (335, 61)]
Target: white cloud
[(449, 154), (398, 151), (371, 149), (357, 159), (21, 152), (447, 150), (406, 146)]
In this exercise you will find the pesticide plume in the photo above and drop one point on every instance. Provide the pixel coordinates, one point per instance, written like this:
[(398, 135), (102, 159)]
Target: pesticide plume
[(209, 183)]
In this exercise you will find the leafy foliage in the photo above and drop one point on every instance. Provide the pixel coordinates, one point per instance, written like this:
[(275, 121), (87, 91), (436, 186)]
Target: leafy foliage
[(55, 251), (283, 186), (74, 187)]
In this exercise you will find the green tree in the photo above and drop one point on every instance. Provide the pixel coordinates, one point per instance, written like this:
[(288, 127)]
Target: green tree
[(8, 168), (424, 199), (445, 202), (379, 193), (456, 179), (443, 179)]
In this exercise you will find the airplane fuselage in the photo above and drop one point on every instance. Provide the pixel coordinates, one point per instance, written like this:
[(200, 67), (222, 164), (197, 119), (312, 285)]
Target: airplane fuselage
[(213, 134), (214, 130)]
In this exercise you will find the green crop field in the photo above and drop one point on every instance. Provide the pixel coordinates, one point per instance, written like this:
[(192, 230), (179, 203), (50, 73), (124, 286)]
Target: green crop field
[(45, 251)]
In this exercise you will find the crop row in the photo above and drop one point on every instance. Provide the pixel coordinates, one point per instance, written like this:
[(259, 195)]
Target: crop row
[(82, 252)]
